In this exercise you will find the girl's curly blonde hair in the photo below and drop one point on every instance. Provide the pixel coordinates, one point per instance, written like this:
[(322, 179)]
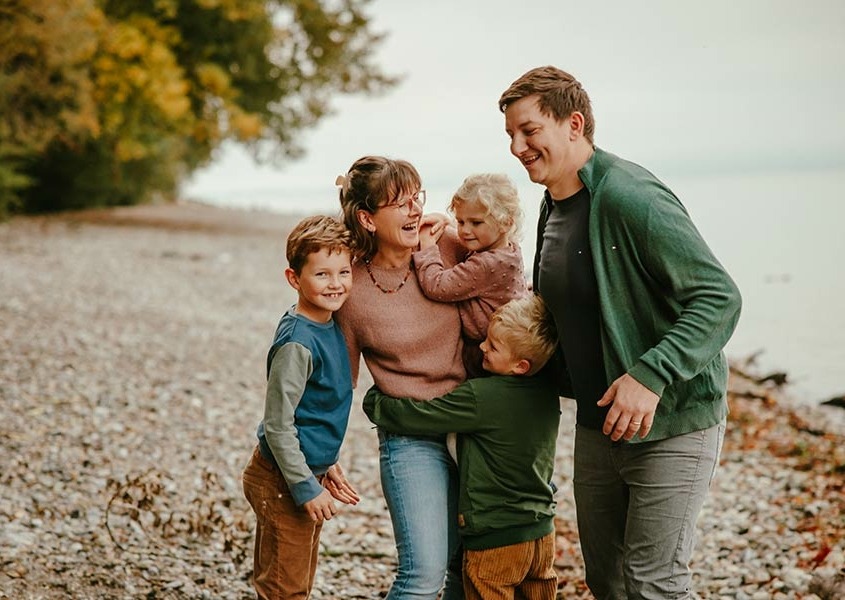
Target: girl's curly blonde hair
[(497, 194)]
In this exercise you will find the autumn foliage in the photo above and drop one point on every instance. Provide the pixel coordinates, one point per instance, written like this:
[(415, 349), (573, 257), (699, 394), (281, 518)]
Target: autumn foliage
[(113, 102)]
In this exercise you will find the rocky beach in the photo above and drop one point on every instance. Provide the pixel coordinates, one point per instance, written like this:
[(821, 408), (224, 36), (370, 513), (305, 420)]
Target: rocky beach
[(132, 357)]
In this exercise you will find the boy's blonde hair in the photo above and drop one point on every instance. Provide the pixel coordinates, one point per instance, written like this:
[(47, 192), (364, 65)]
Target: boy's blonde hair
[(528, 329), (312, 234), (497, 194)]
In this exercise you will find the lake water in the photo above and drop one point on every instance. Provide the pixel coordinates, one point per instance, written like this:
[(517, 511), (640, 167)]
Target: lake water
[(780, 235)]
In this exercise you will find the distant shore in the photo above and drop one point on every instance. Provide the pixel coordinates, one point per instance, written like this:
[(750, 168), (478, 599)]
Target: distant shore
[(131, 381)]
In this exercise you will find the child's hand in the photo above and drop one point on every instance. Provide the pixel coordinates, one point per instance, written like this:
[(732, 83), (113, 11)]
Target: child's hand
[(321, 508), (437, 222), (432, 227), (427, 240), (338, 486)]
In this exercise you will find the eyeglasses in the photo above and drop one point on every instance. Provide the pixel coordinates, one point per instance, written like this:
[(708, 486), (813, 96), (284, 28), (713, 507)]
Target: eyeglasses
[(406, 205)]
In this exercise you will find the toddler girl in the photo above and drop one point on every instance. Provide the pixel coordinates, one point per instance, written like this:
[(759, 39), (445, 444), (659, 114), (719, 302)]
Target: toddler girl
[(488, 217)]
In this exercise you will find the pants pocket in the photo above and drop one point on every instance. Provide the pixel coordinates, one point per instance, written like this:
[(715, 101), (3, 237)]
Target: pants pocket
[(506, 565)]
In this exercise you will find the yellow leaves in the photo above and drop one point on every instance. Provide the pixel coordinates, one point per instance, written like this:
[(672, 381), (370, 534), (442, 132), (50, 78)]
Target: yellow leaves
[(216, 82), (246, 126), (136, 76), (161, 83), (213, 79), (173, 101), (96, 20), (57, 32), (129, 149), (207, 132), (236, 10), (167, 8), (139, 81), (45, 93), (81, 121), (125, 41)]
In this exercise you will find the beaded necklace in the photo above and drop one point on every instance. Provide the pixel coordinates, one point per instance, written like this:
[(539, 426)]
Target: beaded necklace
[(379, 286)]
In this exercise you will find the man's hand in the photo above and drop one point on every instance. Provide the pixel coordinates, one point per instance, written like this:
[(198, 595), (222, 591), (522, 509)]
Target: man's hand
[(338, 486), (321, 508), (631, 411)]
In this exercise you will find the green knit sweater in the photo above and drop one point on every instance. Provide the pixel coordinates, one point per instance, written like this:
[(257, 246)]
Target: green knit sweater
[(667, 305), (507, 428)]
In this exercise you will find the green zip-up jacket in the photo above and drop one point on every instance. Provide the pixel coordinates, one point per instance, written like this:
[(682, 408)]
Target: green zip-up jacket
[(667, 305), (507, 428)]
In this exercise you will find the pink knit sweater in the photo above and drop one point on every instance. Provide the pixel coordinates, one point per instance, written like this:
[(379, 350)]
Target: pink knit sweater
[(411, 345), (480, 284)]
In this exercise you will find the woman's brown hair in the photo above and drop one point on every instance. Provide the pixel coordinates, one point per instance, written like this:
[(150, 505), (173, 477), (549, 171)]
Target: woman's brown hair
[(370, 183)]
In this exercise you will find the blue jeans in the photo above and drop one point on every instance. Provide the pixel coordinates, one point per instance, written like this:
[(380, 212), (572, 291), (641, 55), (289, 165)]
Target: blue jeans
[(637, 505), (420, 485)]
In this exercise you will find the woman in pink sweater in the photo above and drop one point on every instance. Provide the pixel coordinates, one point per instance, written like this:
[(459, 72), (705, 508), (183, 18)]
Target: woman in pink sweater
[(412, 347)]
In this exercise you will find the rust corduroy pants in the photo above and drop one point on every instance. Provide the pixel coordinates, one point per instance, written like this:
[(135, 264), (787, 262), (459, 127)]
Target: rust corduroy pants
[(286, 539), (519, 571)]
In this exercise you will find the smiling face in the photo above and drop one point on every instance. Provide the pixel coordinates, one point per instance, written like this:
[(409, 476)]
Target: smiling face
[(477, 230), (395, 225), (323, 283), (498, 356), (551, 151)]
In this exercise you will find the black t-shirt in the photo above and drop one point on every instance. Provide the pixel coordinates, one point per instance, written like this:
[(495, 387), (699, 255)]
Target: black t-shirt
[(567, 283)]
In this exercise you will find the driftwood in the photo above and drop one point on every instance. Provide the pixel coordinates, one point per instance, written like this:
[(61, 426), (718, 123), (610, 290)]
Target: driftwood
[(776, 378), (747, 384), (837, 401)]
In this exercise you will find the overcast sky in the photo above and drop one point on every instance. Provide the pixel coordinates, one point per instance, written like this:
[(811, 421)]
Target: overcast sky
[(684, 88)]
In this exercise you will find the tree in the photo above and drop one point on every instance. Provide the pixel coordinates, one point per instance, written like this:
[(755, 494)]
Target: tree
[(45, 89), (169, 81)]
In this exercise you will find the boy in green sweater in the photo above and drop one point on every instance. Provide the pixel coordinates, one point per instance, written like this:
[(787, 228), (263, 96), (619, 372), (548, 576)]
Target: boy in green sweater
[(507, 426)]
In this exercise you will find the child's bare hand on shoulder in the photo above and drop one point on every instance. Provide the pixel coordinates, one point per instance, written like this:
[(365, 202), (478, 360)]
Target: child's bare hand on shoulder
[(432, 227), (322, 507), (339, 487)]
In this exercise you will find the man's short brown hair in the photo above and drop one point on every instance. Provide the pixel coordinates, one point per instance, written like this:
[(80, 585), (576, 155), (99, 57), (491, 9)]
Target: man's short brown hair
[(559, 95), (312, 234)]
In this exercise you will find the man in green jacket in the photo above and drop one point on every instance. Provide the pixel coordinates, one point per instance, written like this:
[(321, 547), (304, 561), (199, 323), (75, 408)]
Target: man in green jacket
[(644, 310), (507, 428)]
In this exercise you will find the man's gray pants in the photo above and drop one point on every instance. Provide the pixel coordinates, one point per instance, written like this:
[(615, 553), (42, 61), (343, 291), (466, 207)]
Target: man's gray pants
[(637, 506)]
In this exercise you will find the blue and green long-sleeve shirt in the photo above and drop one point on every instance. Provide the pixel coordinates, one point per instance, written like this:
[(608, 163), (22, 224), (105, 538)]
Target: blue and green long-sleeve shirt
[(306, 409)]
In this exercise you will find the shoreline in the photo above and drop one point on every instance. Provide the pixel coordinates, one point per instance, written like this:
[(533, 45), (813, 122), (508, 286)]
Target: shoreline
[(202, 215), (132, 381)]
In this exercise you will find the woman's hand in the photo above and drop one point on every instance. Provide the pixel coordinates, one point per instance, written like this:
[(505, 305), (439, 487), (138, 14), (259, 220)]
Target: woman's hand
[(338, 486)]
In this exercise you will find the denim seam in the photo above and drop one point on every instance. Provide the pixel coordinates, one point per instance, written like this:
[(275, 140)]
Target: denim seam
[(400, 512)]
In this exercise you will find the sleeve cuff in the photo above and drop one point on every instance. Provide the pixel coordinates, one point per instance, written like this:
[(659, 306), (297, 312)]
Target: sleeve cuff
[(648, 377), (426, 255), (306, 490)]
